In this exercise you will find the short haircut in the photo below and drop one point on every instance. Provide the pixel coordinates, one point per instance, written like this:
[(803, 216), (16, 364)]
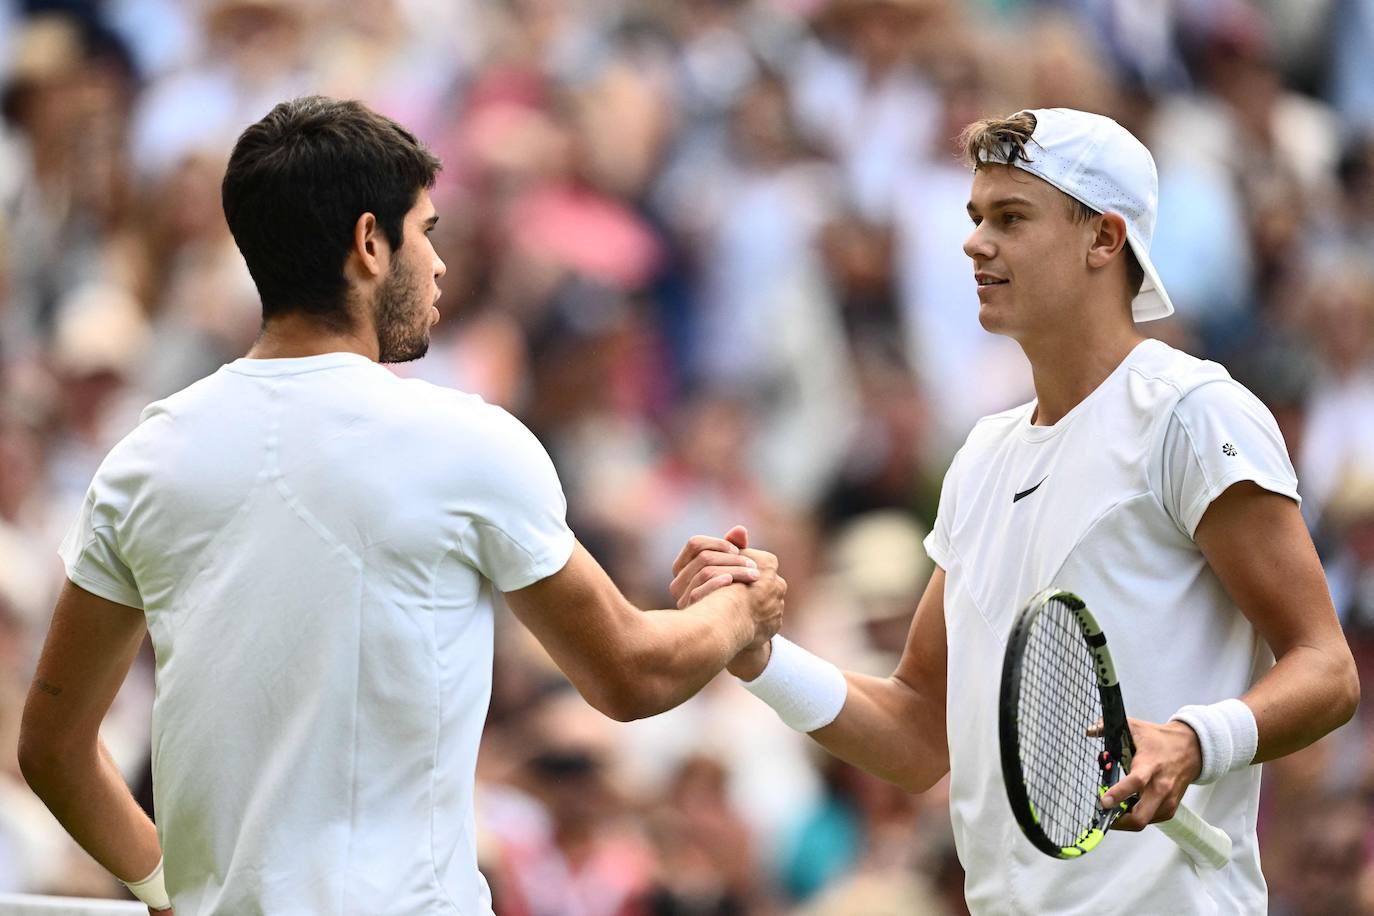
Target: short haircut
[(296, 184), (1004, 140)]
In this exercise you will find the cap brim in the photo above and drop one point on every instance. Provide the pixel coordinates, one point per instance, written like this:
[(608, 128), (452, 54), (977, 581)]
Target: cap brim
[(1152, 302)]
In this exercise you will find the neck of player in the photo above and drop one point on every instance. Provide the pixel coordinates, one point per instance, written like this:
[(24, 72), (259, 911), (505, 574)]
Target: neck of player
[(293, 335), (1068, 367)]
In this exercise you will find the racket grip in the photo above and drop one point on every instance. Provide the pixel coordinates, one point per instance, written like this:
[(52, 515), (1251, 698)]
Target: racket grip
[(1207, 846)]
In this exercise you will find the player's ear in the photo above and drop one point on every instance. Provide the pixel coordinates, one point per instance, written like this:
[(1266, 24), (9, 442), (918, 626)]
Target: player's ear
[(1109, 237), (368, 244)]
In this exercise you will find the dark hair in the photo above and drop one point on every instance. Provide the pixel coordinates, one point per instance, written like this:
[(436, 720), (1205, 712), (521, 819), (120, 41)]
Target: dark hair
[(297, 182), (1004, 140)]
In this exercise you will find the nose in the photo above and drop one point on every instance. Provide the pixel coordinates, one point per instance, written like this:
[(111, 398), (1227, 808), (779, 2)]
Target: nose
[(977, 246), (440, 268)]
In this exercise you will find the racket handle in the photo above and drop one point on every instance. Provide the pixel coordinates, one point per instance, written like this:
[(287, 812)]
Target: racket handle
[(1207, 846)]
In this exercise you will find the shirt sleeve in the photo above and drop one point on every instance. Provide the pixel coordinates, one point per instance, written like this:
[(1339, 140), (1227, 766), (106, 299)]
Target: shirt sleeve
[(90, 550), (1220, 434), (937, 542), (519, 533)]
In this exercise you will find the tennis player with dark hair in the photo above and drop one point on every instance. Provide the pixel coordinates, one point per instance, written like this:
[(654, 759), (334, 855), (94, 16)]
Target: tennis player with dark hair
[(313, 545), (1141, 478)]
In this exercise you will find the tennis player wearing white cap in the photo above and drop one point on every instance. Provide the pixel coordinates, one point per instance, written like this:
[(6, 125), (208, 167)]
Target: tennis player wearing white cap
[(1140, 477)]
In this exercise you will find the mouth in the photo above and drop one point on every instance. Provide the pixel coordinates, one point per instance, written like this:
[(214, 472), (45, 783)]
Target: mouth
[(989, 280)]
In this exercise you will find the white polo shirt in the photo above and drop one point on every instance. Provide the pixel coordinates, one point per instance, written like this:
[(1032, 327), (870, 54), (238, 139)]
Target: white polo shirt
[(1109, 499), (314, 542)]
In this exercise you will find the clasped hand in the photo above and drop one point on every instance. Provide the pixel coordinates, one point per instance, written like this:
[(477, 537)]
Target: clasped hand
[(709, 563)]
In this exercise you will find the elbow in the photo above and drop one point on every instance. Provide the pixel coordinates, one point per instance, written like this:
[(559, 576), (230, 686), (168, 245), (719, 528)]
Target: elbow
[(629, 700), (624, 699), (1351, 691), (917, 780), (38, 760), (47, 757)]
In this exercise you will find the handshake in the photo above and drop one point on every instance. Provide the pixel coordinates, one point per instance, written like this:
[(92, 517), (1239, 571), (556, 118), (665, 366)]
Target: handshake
[(707, 564)]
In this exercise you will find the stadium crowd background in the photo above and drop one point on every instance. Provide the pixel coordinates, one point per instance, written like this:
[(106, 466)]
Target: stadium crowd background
[(709, 250)]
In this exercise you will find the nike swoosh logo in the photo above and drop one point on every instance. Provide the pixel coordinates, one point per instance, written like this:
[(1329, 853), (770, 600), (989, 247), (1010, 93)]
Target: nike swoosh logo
[(1024, 493)]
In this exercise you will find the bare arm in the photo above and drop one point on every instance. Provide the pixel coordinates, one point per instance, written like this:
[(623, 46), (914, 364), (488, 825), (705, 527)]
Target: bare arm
[(90, 646), (1256, 543), (630, 663), (894, 727)]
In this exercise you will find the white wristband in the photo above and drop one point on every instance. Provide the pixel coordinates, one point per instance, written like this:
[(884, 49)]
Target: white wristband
[(806, 691), (1227, 734), (152, 890)]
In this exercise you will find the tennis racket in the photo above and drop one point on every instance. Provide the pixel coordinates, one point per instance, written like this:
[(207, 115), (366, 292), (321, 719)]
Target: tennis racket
[(1057, 683)]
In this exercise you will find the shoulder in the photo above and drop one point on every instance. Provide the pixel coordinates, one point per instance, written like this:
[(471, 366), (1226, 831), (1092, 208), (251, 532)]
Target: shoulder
[(1176, 373), (487, 441), (992, 429), (1198, 388), (453, 413)]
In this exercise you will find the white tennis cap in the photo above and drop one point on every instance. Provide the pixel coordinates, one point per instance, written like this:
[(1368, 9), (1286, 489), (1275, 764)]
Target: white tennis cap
[(1101, 164)]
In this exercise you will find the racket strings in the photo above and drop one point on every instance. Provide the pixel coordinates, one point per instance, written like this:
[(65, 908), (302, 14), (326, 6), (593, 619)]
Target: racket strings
[(1059, 701)]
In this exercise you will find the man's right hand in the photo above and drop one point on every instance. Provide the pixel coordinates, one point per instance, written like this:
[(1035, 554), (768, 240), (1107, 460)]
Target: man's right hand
[(707, 564)]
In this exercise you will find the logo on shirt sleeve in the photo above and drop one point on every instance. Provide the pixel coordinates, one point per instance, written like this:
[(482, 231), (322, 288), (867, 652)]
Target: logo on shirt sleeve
[(1228, 450)]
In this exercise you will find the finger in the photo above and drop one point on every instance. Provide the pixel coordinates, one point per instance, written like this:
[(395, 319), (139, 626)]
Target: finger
[(715, 574), (1133, 783), (1095, 730), (696, 544), (703, 560), (1145, 805), (1142, 813), (764, 559), (739, 536), (709, 586)]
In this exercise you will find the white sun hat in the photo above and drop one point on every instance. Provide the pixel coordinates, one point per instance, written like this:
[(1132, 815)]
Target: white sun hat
[(1102, 165)]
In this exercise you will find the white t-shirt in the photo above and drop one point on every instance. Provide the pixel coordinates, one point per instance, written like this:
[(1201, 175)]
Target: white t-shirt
[(314, 542), (1112, 495)]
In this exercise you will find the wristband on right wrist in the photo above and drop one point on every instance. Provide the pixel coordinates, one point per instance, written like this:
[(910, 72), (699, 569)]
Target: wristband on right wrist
[(152, 890), (806, 691), (1227, 735)]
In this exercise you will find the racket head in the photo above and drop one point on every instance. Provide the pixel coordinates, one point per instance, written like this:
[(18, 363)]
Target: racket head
[(1058, 680)]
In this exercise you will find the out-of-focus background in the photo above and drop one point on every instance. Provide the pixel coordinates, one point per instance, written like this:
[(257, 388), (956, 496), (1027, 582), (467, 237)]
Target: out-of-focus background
[(709, 251)]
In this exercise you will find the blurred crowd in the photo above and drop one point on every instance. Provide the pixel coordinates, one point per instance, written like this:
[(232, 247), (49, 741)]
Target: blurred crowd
[(709, 251)]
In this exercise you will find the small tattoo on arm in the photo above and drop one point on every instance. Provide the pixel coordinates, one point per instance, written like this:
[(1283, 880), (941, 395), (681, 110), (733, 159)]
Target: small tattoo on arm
[(50, 689)]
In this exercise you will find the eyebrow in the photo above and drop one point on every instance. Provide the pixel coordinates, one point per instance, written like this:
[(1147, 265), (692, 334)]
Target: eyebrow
[(1002, 202)]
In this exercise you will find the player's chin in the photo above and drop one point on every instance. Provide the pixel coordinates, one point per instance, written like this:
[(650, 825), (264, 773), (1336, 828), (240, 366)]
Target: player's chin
[(994, 319), (407, 351)]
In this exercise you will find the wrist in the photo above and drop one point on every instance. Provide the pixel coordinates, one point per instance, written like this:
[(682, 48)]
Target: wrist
[(152, 890), (806, 691), (751, 661), (1227, 737), (1192, 754)]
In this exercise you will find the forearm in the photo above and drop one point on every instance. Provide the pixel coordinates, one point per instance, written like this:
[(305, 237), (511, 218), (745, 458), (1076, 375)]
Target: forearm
[(1309, 692), (888, 729), (86, 793), (676, 653)]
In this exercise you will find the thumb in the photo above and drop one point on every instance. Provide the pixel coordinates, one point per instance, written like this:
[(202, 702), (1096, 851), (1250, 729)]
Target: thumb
[(739, 536)]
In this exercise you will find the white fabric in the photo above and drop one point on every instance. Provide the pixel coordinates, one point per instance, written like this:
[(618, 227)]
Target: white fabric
[(314, 542), (806, 691), (1120, 484), (1099, 163), (1226, 732), (152, 890)]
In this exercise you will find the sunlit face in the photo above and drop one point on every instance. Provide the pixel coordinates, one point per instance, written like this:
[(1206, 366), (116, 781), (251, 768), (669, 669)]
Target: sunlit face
[(1028, 252), (405, 309)]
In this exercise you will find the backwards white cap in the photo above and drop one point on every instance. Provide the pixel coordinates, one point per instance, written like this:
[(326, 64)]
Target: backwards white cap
[(1102, 165)]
